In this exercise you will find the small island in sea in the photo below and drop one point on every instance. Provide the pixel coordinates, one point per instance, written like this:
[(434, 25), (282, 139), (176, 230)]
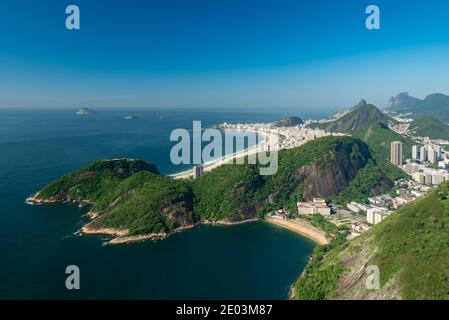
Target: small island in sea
[(133, 117), (85, 112)]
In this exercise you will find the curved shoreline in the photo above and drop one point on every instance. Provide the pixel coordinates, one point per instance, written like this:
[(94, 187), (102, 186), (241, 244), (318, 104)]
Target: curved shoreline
[(269, 140), (121, 236), (302, 228)]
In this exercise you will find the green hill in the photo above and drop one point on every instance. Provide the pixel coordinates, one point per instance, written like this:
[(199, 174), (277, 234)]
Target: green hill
[(410, 249), (428, 126), (289, 122), (359, 116), (379, 137), (131, 195), (94, 181)]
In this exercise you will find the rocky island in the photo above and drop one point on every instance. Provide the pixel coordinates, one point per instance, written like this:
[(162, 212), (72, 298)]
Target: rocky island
[(85, 112)]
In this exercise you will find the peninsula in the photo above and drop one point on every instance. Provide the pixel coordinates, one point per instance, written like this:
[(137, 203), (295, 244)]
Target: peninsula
[(131, 201)]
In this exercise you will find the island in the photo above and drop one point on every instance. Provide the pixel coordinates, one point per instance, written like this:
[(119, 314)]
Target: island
[(85, 112)]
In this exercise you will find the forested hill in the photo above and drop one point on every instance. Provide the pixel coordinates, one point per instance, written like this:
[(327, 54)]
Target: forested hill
[(131, 195), (359, 116), (410, 249)]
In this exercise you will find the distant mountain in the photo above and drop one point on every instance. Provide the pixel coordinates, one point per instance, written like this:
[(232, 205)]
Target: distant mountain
[(435, 105), (428, 126), (401, 100), (409, 248), (289, 122), (359, 116), (85, 112)]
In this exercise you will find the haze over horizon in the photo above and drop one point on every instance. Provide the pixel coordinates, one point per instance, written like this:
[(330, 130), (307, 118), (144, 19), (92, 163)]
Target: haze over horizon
[(220, 54)]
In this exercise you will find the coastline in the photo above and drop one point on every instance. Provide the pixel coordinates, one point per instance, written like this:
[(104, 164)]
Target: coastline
[(300, 227), (270, 139), (303, 228), (121, 236)]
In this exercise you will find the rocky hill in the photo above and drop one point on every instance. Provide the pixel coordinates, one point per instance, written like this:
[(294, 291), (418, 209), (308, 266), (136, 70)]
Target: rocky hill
[(359, 116), (401, 100), (409, 248), (85, 112), (435, 105), (288, 122), (130, 198)]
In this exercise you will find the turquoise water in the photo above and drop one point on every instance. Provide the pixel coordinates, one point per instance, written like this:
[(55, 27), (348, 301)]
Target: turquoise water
[(253, 260)]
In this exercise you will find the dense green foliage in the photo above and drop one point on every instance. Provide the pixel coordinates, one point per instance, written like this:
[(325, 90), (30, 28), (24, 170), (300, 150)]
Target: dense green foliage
[(94, 181), (132, 195), (322, 223), (319, 280), (430, 127), (227, 192), (413, 245), (358, 117), (379, 137), (370, 180), (147, 203), (410, 248)]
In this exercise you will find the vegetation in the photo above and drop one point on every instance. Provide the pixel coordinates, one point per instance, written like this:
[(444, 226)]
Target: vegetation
[(358, 117), (370, 180), (289, 122), (94, 181), (435, 105), (379, 137), (147, 203), (410, 248), (430, 127), (131, 195), (319, 280)]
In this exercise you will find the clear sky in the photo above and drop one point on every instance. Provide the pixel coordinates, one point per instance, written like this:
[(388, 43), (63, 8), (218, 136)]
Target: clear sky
[(220, 53)]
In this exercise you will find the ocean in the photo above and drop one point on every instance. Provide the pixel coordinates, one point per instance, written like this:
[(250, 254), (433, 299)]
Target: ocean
[(248, 261)]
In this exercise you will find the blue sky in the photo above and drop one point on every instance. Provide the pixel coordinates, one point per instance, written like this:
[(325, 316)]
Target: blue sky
[(220, 53)]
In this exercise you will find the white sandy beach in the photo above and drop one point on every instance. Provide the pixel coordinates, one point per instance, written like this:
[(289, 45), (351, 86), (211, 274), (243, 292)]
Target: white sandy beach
[(270, 140), (303, 228)]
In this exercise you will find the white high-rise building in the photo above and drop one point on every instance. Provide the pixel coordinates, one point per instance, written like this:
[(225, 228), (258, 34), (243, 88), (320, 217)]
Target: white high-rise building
[(396, 153), (432, 155), (415, 153), (423, 154)]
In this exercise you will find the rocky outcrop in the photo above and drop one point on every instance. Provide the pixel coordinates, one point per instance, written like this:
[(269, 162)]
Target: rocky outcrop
[(360, 116), (288, 122), (401, 100), (333, 179), (85, 112)]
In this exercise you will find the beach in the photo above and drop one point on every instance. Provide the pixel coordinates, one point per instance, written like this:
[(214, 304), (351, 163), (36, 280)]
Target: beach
[(270, 140), (303, 228)]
